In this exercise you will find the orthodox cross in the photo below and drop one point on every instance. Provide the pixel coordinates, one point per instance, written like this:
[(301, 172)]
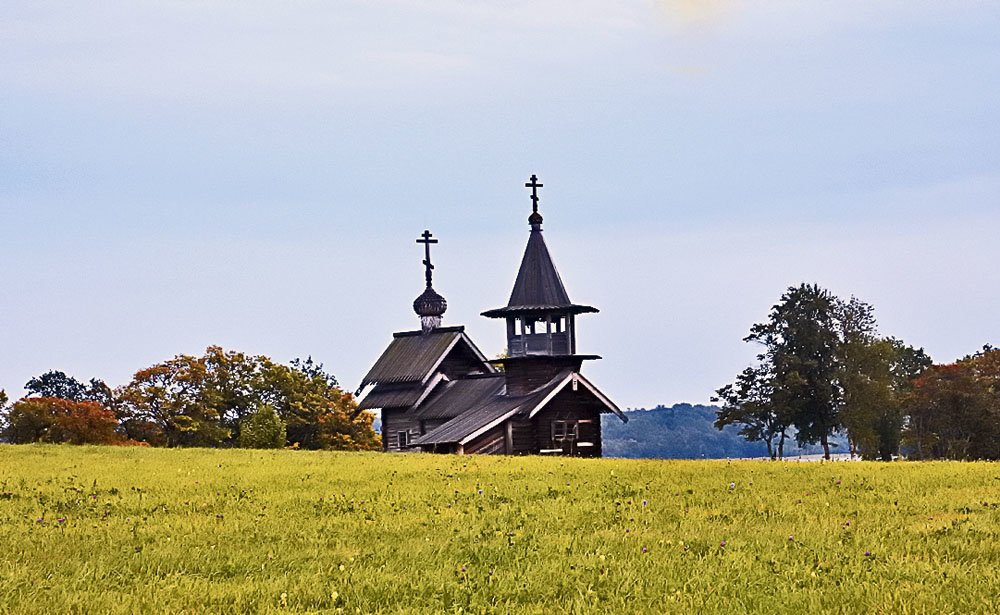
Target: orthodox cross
[(534, 185), (427, 241)]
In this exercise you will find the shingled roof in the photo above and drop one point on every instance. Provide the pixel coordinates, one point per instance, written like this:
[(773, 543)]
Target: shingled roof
[(412, 356), (538, 286), (457, 396), (498, 408)]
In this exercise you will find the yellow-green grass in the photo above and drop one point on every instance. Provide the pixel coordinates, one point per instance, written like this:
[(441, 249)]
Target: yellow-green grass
[(132, 530)]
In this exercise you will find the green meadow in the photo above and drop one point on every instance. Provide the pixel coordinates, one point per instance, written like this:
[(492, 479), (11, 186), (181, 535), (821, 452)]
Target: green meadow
[(135, 530)]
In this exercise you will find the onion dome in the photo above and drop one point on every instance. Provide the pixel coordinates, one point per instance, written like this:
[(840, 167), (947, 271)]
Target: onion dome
[(429, 303)]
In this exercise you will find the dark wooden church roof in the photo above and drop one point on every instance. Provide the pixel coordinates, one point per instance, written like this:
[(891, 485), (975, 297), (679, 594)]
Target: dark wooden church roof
[(412, 356), (392, 396), (493, 410), (538, 287), (457, 396)]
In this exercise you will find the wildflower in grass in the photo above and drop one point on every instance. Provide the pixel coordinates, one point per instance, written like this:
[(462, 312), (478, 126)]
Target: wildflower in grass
[(61, 519), (644, 502), (644, 549), (791, 537), (40, 520), (868, 553), (463, 568), (732, 485), (334, 596), (722, 544)]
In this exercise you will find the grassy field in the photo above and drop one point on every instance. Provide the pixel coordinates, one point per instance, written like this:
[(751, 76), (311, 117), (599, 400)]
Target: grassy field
[(130, 530)]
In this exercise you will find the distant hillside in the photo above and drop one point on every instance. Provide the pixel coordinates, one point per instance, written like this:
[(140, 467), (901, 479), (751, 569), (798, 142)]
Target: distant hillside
[(683, 431)]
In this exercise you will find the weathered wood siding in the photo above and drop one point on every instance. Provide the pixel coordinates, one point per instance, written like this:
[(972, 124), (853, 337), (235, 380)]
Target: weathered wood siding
[(461, 362), (570, 405), (523, 437), (526, 374), (393, 422), (493, 442)]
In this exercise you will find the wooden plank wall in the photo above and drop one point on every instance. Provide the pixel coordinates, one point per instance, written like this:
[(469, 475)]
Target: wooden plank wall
[(393, 422), (523, 437), (492, 442), (571, 405)]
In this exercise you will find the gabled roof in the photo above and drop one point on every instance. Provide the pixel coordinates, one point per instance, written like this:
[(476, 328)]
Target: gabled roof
[(412, 356), (457, 396), (538, 286), (498, 408)]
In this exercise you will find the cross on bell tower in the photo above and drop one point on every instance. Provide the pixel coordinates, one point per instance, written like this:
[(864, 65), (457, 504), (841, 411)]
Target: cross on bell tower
[(535, 217)]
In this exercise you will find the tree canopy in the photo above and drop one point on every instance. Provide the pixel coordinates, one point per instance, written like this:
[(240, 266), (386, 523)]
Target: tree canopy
[(206, 400), (823, 368)]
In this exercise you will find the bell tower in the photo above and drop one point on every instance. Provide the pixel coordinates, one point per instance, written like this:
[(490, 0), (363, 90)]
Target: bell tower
[(540, 317)]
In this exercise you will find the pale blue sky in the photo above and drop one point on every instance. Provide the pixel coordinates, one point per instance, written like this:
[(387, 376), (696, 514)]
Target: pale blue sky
[(254, 175)]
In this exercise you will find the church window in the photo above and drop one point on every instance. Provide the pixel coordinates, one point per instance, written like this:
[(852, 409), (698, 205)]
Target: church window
[(564, 430)]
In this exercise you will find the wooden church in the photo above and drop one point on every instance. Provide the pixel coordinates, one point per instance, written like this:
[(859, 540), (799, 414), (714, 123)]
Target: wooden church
[(438, 393)]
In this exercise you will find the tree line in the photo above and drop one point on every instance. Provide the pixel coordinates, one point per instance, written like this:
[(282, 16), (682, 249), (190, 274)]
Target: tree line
[(823, 369), (222, 398)]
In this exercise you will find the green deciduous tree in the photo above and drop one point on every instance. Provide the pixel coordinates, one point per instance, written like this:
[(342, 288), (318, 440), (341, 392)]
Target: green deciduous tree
[(748, 403), (823, 368)]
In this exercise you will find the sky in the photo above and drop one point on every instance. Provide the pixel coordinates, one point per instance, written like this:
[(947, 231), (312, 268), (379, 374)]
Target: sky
[(175, 175)]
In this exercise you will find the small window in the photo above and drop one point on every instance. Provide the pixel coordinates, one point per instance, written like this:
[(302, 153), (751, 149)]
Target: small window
[(564, 430), (402, 438)]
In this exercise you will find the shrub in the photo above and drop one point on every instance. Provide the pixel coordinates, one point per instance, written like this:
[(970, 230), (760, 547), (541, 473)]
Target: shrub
[(262, 429)]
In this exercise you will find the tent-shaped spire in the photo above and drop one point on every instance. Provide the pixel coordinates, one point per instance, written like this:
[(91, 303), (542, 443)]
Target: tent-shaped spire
[(538, 287)]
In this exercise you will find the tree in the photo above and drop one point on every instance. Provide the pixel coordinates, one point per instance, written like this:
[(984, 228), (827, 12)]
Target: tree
[(748, 403), (953, 411), (169, 404), (49, 419), (262, 429), (56, 384), (875, 377), (206, 401), (823, 368), (800, 341)]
